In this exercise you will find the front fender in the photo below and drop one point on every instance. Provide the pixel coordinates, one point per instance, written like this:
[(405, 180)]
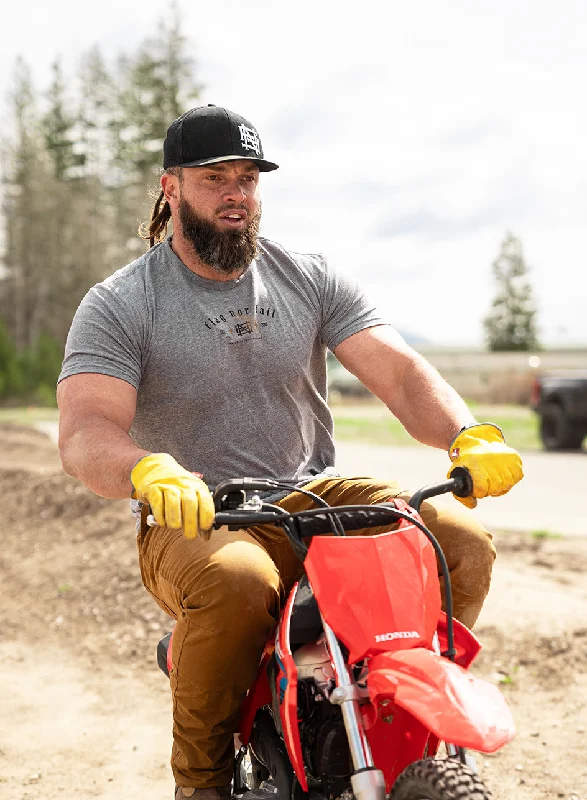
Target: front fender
[(454, 705)]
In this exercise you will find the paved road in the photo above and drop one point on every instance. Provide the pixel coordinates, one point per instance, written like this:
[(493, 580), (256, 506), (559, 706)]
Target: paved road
[(552, 496)]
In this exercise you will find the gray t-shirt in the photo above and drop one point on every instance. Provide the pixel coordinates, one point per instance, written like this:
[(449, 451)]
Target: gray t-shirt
[(231, 376)]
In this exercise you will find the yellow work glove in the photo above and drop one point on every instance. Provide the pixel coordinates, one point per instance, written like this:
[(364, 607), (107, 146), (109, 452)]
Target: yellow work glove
[(494, 467), (177, 497)]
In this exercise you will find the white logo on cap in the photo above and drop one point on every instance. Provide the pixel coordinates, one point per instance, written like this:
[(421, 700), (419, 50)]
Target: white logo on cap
[(250, 139)]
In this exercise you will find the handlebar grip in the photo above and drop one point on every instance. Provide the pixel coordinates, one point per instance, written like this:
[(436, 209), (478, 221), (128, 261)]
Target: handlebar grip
[(463, 482), (460, 483), (351, 520)]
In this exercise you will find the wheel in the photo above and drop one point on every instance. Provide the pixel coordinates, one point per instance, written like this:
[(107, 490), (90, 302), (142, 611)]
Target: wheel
[(439, 779), (557, 431)]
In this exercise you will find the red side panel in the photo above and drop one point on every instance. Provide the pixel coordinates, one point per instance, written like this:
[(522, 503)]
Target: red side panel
[(466, 644), (395, 745), (378, 593), (287, 688), (450, 702)]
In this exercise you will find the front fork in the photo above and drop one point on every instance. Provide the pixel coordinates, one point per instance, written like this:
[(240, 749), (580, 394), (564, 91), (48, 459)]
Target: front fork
[(368, 782)]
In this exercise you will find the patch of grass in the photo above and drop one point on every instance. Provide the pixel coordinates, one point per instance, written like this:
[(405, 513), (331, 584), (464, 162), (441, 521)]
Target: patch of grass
[(63, 589), (519, 425), (386, 431), (545, 534), (508, 678), (29, 415), (374, 424)]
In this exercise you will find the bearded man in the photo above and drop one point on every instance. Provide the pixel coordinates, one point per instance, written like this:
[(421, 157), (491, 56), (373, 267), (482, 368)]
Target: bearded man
[(208, 355)]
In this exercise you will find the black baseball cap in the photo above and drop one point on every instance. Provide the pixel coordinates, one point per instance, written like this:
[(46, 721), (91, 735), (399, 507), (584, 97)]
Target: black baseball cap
[(209, 134)]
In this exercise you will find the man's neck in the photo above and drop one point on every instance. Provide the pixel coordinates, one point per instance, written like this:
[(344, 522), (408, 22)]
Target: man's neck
[(186, 254)]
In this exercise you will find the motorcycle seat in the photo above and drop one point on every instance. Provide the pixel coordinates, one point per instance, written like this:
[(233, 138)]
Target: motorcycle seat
[(306, 623), (162, 649)]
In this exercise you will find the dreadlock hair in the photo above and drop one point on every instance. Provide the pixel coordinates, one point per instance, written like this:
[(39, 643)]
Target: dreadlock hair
[(156, 229)]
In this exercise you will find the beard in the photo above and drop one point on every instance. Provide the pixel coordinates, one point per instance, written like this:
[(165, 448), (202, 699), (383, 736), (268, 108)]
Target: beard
[(224, 251)]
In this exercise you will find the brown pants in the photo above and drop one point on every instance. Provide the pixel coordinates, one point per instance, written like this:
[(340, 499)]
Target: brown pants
[(226, 595)]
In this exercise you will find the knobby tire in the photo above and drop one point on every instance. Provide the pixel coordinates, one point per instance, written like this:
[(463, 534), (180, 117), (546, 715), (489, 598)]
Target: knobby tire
[(439, 779)]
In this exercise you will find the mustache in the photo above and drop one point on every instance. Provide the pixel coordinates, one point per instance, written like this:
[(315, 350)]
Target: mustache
[(231, 207)]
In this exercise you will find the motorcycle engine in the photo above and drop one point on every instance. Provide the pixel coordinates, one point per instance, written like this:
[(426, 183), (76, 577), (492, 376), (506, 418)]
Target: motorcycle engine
[(322, 731), (313, 662)]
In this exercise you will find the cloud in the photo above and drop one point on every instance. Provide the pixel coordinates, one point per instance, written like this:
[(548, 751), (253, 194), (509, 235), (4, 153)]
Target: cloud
[(428, 224), (508, 200), (304, 122), (368, 191), (469, 136)]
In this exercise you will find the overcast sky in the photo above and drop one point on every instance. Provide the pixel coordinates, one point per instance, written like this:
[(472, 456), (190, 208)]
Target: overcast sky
[(411, 135)]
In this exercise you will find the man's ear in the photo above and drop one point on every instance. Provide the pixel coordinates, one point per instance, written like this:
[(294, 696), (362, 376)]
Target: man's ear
[(170, 186)]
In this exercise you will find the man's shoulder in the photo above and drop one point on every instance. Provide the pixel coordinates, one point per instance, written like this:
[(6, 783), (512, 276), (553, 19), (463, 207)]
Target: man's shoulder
[(273, 251), (136, 271)]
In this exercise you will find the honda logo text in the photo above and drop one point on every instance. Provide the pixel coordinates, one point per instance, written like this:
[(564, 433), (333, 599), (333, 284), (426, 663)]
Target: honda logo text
[(389, 637)]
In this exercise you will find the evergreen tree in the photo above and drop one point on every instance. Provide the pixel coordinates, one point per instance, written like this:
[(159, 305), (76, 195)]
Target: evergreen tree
[(156, 87), (96, 118), (58, 257), (58, 129), (28, 183), (9, 373), (91, 249), (511, 322), (76, 177)]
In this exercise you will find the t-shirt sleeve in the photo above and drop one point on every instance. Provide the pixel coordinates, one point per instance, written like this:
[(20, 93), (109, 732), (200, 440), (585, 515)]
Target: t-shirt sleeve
[(105, 337), (346, 308)]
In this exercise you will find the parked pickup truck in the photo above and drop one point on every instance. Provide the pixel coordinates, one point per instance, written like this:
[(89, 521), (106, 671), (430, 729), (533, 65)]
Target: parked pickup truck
[(560, 400)]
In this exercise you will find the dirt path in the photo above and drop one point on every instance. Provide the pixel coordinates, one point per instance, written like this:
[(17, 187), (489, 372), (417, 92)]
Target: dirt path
[(85, 713)]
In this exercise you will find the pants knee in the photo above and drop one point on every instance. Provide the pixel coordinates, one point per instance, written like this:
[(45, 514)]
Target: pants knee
[(467, 546), (239, 587)]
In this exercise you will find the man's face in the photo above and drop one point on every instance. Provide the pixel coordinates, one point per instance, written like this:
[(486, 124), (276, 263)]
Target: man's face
[(219, 213)]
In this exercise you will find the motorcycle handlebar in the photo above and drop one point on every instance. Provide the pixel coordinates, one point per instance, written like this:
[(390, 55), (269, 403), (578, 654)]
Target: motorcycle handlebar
[(315, 521), (319, 520), (460, 483), (229, 494)]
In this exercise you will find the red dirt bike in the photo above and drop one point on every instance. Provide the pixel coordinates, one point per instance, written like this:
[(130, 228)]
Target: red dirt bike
[(365, 675)]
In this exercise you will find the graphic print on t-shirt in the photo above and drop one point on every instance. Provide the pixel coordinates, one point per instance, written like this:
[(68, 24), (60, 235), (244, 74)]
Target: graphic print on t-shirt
[(242, 324)]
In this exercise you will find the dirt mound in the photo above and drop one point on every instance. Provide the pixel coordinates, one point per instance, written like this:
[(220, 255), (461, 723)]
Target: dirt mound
[(21, 445), (546, 551), (47, 495), (545, 662), (68, 561)]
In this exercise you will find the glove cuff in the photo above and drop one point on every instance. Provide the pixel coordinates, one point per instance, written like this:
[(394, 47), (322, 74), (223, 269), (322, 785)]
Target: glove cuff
[(144, 464), (475, 425)]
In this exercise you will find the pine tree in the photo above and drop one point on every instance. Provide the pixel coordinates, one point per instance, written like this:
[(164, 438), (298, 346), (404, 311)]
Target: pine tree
[(157, 85), (76, 177), (92, 247), (27, 183), (511, 322), (58, 130), (96, 128)]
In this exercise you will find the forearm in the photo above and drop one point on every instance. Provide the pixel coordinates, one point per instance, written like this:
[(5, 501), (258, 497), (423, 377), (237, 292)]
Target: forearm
[(430, 410), (427, 406), (101, 455)]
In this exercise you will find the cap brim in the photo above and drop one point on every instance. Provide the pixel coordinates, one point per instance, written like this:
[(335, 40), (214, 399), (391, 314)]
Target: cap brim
[(264, 166)]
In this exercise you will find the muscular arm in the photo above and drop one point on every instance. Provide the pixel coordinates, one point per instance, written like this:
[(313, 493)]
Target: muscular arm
[(95, 415), (426, 405)]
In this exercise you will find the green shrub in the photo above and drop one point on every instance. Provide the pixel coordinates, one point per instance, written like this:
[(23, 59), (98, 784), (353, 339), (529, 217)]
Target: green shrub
[(9, 366), (31, 375)]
